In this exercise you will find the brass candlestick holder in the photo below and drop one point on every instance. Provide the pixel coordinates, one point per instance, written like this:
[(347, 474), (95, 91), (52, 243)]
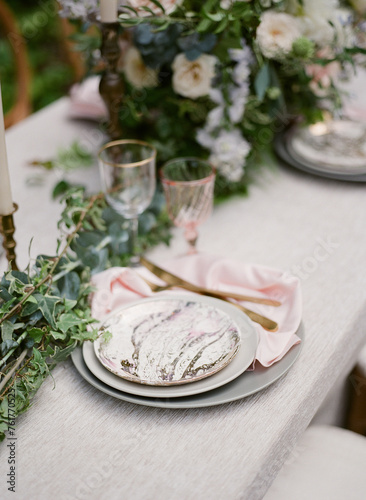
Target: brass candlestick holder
[(7, 229), (111, 86)]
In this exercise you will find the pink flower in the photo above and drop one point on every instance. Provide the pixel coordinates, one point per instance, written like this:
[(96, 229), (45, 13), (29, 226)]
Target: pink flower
[(322, 76)]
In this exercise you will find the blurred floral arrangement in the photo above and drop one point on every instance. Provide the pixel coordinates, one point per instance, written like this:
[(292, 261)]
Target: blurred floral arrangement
[(220, 78)]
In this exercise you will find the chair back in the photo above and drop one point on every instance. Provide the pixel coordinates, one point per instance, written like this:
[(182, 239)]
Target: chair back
[(22, 106)]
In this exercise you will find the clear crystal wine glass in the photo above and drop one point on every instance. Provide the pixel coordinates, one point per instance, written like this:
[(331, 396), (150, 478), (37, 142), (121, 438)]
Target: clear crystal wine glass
[(127, 169), (188, 185)]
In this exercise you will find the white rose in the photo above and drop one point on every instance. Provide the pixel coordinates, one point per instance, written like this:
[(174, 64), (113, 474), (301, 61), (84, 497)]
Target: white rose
[(359, 5), (276, 33), (137, 73), (193, 78), (169, 5), (317, 20)]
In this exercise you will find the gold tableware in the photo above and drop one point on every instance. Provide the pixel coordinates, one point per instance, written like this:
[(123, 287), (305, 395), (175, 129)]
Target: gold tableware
[(173, 280)]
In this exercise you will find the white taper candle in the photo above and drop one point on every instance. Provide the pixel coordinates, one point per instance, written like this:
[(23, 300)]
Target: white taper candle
[(6, 202), (108, 11)]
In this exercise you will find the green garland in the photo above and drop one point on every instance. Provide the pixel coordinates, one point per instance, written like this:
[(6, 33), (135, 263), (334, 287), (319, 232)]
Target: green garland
[(44, 311)]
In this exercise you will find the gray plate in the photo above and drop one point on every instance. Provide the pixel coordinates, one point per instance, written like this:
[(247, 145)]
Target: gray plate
[(280, 147), (246, 384)]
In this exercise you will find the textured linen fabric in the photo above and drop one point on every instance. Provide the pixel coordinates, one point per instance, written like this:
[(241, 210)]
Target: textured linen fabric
[(78, 443), (328, 463)]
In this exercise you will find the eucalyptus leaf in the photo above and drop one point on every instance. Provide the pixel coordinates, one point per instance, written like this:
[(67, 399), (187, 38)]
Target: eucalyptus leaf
[(262, 81), (158, 4)]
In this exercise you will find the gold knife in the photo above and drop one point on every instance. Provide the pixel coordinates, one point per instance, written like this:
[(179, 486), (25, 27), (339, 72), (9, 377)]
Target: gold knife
[(172, 279)]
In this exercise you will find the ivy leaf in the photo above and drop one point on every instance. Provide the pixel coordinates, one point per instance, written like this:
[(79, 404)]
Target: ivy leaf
[(4, 294), (69, 304), (67, 321), (47, 305), (40, 363), (69, 286), (30, 306), (36, 334), (62, 354), (17, 282), (60, 188), (7, 329), (85, 335), (58, 335), (34, 318), (7, 345)]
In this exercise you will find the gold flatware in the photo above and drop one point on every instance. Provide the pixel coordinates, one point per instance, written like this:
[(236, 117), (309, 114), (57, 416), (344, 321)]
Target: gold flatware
[(174, 280), (266, 323)]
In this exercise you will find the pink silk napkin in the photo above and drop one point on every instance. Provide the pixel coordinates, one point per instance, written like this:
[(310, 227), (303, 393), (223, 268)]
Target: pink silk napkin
[(119, 286)]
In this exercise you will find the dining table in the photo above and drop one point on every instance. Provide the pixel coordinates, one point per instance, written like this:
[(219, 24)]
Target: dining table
[(76, 442)]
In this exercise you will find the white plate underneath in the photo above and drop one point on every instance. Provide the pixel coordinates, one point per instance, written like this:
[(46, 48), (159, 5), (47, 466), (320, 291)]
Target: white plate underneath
[(243, 386), (241, 361)]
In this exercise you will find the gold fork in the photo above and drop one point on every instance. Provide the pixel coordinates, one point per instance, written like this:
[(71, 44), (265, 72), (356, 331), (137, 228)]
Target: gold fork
[(266, 323)]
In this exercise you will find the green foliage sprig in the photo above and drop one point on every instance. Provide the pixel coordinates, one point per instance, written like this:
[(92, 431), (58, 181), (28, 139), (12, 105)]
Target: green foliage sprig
[(45, 311)]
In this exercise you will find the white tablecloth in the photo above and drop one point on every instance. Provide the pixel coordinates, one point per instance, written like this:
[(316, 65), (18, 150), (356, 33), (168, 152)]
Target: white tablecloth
[(77, 443)]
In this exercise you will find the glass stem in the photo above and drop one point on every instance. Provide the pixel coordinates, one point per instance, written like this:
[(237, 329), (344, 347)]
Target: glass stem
[(134, 225), (191, 236)]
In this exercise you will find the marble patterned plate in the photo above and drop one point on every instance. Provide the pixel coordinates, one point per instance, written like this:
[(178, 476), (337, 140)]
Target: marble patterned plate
[(173, 340), (243, 386), (236, 367)]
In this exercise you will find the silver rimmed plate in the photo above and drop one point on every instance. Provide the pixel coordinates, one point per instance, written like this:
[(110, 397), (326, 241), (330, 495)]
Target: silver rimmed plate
[(291, 147), (243, 386), (337, 146), (172, 340)]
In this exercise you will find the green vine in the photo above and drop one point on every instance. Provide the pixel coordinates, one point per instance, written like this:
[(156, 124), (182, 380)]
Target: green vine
[(45, 311)]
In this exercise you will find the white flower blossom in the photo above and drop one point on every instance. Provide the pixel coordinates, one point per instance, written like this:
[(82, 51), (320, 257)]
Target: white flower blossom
[(76, 9), (317, 18), (276, 33), (228, 154), (205, 139), (239, 97), (193, 78), (215, 118), (137, 73), (243, 54), (169, 5)]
